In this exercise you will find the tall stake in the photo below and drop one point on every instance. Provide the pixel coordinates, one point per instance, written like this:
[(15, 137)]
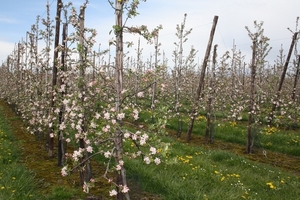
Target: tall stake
[(201, 81), (86, 171), (54, 75), (252, 93), (296, 78), (271, 115)]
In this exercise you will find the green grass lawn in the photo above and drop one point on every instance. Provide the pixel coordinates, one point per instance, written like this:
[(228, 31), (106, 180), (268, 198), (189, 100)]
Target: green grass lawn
[(16, 182), (191, 172), (188, 171)]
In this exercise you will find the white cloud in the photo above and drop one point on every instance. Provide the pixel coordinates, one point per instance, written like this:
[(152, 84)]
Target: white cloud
[(234, 15), (5, 50), (7, 20)]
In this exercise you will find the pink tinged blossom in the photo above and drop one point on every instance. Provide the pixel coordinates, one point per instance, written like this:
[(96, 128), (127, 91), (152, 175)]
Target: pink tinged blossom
[(125, 189), (106, 116), (89, 149), (62, 88), (138, 132), (56, 110), (78, 128), (85, 187), (123, 91), (113, 192), (118, 167), (152, 150), (97, 116), (121, 162), (64, 171), (68, 140), (134, 155), (113, 121), (76, 155), (127, 135), (121, 116), (140, 94), (93, 125), (134, 137), (72, 114), (106, 128), (157, 161), (107, 154), (77, 135), (135, 114), (62, 126), (147, 160), (52, 135), (143, 139)]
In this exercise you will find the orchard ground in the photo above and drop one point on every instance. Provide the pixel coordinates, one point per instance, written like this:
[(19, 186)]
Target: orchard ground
[(49, 184)]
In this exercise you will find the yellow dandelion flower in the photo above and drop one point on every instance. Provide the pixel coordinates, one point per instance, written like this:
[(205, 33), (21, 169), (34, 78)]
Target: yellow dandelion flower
[(270, 184)]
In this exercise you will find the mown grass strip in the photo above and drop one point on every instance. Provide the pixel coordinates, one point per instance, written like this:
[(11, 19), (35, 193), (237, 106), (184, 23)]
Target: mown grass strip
[(192, 172), (16, 182)]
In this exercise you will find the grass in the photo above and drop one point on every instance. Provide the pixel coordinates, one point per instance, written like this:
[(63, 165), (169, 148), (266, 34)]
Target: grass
[(269, 138), (25, 173), (16, 182), (192, 172)]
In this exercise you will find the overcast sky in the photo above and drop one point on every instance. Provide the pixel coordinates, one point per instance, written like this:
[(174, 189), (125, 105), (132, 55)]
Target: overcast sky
[(17, 16)]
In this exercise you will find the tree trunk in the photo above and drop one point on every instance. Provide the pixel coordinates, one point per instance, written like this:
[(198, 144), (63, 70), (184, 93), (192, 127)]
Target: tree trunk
[(121, 174), (61, 145), (86, 171), (252, 93), (209, 134), (54, 75), (201, 81)]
